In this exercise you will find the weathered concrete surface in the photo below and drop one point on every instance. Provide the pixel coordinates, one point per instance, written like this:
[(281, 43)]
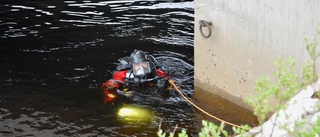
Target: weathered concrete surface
[(247, 37), (300, 109)]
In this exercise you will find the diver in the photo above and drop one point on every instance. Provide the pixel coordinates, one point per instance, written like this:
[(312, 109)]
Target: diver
[(138, 70)]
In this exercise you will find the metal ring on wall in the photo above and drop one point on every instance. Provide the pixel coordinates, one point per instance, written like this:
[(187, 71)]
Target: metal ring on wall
[(205, 24)]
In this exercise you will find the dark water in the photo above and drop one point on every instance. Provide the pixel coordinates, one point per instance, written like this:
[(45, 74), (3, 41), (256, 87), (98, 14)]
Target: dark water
[(56, 54)]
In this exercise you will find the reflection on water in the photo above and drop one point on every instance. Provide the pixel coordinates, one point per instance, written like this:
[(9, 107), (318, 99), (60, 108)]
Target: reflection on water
[(56, 54), (223, 109)]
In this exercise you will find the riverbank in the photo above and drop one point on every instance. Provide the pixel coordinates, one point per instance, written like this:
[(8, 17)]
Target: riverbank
[(301, 113)]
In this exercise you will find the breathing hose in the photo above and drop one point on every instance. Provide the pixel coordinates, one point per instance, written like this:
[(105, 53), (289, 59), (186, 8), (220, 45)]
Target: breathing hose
[(221, 120)]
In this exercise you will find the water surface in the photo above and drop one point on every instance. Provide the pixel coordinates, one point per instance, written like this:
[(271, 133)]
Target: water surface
[(56, 54)]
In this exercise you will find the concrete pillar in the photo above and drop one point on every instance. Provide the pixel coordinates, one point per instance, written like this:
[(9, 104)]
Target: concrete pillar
[(247, 37)]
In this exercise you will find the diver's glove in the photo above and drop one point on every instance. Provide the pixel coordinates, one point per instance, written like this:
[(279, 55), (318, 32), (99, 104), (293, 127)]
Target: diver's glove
[(110, 94), (109, 89), (162, 83)]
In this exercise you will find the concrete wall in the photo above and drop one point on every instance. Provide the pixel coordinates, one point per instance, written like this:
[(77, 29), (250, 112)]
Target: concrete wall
[(247, 37)]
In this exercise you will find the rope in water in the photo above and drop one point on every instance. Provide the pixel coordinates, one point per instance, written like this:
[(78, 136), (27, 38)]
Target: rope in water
[(221, 120)]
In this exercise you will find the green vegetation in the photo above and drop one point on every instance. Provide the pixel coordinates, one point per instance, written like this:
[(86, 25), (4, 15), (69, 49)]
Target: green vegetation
[(280, 92), (210, 129), (266, 90), (309, 73), (313, 132)]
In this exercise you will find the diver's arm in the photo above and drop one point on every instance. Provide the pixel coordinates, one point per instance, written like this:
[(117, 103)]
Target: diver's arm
[(162, 73), (110, 87), (163, 81)]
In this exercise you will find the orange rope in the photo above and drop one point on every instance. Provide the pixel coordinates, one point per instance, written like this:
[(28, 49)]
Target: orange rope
[(172, 83)]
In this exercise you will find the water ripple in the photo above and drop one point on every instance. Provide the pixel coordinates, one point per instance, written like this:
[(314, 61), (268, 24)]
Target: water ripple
[(60, 52), (182, 5), (125, 17)]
